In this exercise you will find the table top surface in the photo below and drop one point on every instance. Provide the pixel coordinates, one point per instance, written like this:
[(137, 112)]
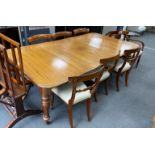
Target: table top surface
[(50, 64)]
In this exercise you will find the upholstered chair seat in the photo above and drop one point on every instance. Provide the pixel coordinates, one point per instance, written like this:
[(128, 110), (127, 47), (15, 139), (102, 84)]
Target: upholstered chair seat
[(76, 91), (126, 67), (65, 91), (140, 53)]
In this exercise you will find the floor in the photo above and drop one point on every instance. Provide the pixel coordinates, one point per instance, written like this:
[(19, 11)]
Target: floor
[(132, 107)]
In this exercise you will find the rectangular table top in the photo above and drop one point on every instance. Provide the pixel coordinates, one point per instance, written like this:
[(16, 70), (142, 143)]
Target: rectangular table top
[(50, 64)]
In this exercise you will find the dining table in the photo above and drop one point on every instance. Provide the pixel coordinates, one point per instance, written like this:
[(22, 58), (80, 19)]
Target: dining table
[(49, 64)]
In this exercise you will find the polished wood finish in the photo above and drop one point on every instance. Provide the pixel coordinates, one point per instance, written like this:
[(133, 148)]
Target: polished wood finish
[(80, 31), (68, 57), (130, 56), (46, 98), (48, 37), (39, 37), (141, 45), (93, 88), (13, 87), (50, 64), (118, 34), (110, 64), (62, 35)]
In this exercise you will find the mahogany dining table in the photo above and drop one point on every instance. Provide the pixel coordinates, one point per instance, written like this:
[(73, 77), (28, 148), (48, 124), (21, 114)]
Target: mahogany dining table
[(49, 64)]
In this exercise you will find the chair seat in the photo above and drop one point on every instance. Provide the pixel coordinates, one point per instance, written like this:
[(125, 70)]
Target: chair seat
[(105, 75), (140, 53), (65, 91), (119, 65)]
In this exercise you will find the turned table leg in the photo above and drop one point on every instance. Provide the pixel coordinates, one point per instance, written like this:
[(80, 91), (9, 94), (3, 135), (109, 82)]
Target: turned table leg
[(45, 97)]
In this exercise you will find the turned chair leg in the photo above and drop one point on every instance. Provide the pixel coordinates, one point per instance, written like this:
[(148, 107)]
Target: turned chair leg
[(70, 115), (117, 81), (95, 97), (88, 107), (106, 82), (138, 61), (126, 78)]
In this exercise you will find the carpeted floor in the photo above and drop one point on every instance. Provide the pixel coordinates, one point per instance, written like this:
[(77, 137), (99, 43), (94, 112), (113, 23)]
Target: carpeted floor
[(132, 107)]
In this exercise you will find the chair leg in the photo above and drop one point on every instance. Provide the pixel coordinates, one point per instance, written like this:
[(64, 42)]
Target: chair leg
[(95, 97), (70, 115), (126, 78), (138, 61), (117, 81), (106, 86), (88, 107)]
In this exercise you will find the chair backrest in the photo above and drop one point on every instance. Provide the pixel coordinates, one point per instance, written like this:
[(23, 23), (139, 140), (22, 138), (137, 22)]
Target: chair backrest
[(110, 63), (48, 37), (86, 77), (39, 37), (12, 68), (131, 55), (62, 35), (80, 31), (118, 34)]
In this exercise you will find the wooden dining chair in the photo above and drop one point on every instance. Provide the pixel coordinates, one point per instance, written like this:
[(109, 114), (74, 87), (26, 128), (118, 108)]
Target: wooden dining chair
[(141, 45), (13, 86), (80, 31), (110, 64), (118, 34), (76, 91), (39, 37), (62, 35), (124, 36), (124, 65)]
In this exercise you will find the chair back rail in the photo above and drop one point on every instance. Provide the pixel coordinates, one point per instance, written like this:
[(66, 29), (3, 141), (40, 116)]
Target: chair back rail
[(38, 37), (62, 34), (130, 56), (80, 31), (86, 77), (12, 69), (118, 34), (110, 63), (48, 37)]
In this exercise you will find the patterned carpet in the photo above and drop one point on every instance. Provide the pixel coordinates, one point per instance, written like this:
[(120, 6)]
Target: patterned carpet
[(132, 107)]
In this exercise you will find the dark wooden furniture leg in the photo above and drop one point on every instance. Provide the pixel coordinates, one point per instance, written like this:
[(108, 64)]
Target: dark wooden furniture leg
[(117, 81), (138, 61), (70, 114), (88, 107), (126, 78), (46, 101), (106, 86), (95, 97)]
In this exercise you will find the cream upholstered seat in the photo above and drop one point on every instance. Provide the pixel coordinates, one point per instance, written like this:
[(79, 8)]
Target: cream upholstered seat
[(65, 91), (140, 53), (76, 91), (105, 75), (125, 64), (119, 65), (122, 52)]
